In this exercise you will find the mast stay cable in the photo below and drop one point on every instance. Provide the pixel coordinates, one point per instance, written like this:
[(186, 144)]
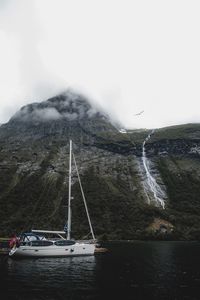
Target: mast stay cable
[(84, 200)]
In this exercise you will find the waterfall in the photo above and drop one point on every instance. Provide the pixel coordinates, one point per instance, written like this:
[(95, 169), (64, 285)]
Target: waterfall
[(152, 185)]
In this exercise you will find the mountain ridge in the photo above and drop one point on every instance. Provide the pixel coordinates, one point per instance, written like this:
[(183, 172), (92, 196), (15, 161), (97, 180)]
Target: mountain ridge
[(33, 173)]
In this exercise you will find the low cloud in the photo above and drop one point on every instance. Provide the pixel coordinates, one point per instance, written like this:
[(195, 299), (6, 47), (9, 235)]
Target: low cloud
[(46, 114), (47, 47), (30, 113), (69, 106)]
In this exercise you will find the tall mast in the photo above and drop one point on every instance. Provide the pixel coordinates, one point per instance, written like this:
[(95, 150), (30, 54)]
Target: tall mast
[(69, 196)]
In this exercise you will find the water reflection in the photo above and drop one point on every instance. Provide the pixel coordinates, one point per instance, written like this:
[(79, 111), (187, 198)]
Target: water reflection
[(160, 270), (49, 277), (138, 270), (56, 269)]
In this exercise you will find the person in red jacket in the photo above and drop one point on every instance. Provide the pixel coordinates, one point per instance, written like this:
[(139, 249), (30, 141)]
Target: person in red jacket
[(14, 242)]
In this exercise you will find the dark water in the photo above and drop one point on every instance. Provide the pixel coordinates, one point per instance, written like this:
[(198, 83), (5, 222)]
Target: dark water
[(136, 270)]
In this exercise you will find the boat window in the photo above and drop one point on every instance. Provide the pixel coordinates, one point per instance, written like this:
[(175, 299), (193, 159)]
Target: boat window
[(26, 237), (64, 243), (41, 243), (25, 243)]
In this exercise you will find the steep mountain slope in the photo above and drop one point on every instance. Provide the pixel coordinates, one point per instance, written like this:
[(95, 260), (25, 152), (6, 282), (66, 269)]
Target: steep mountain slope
[(34, 149)]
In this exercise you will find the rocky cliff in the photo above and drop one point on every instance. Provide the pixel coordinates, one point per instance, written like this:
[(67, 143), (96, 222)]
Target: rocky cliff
[(34, 151)]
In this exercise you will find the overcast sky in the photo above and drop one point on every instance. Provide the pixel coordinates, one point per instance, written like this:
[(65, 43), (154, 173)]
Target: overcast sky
[(129, 56)]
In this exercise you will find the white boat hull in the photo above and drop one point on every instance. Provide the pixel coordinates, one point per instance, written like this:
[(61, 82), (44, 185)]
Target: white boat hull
[(53, 250)]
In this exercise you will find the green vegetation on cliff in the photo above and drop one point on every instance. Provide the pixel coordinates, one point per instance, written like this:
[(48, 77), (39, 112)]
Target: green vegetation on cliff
[(34, 175)]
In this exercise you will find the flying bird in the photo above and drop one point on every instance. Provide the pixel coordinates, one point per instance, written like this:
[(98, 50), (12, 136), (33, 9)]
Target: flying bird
[(139, 113)]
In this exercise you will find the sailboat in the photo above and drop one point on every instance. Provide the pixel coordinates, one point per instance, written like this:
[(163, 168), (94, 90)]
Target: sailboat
[(36, 243)]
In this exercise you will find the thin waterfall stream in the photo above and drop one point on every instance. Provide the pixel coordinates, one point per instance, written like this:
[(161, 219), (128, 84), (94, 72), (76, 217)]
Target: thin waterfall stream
[(152, 185)]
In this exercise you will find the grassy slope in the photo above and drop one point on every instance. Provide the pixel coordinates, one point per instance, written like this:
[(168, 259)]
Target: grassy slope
[(38, 198), (182, 178)]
